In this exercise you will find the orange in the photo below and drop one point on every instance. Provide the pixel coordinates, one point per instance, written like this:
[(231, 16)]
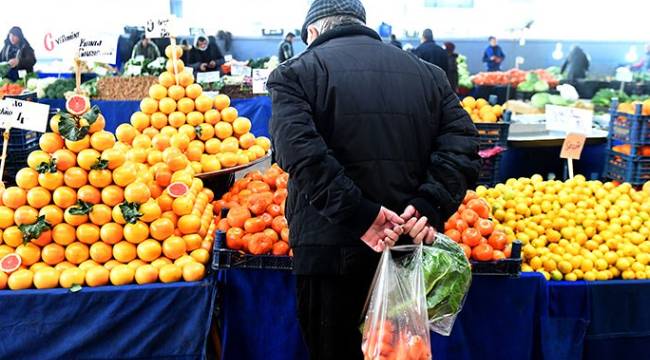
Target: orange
[(185, 105), (111, 233), (53, 214), (158, 120), (21, 279), (64, 265), (166, 79), (141, 141), (177, 162), (246, 140), (168, 273), (89, 194), (51, 180), (150, 211), (192, 241), (241, 126), (160, 142), (146, 274), (36, 158), (50, 142), (137, 192), (87, 158), (148, 105), (229, 114), (201, 255), (205, 132), (75, 177), (136, 233), (136, 155), (77, 146), (228, 159), (263, 142), (150, 132), (98, 125), (173, 51), (100, 178), (174, 247), (27, 178), (88, 264), (167, 105), (38, 197), (71, 276), (188, 130), (46, 278), (63, 234), (203, 103), (182, 205), (213, 146), (257, 150), (124, 251), (157, 91), (223, 130), (97, 276), (74, 220), (194, 91), (189, 224), (122, 275), (4, 250), (167, 153), (101, 252), (176, 66), (6, 217), (3, 280), (165, 201), (76, 253), (65, 159), (194, 118), (221, 102), (100, 214), (140, 120), (210, 163), (25, 215), (88, 233), (162, 228), (125, 174), (193, 153), (193, 271), (64, 197), (118, 217), (185, 79), (212, 116), (176, 92), (176, 119), (160, 262), (149, 250), (114, 157), (39, 265), (29, 253), (183, 260), (136, 263), (112, 195), (154, 157), (125, 133)]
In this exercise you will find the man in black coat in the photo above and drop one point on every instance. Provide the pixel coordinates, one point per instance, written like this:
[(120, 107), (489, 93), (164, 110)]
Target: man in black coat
[(430, 52), (366, 131), (205, 56)]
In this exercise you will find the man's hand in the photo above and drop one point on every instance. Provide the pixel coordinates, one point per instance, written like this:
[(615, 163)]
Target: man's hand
[(384, 231), (417, 226), (212, 64), (203, 67), (13, 62)]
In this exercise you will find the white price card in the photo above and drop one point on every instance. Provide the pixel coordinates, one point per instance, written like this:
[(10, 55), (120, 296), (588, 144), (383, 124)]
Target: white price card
[(240, 70), (159, 28), (260, 77), (568, 119), (24, 115), (100, 48), (207, 77)]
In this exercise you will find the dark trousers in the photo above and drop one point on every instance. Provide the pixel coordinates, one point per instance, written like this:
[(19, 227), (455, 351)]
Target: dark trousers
[(330, 310)]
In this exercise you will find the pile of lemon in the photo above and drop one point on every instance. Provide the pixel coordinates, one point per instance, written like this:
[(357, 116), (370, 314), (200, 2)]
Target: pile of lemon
[(481, 111), (576, 229)]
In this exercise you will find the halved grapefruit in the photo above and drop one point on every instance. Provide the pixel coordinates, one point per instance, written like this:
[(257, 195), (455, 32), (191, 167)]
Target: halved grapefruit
[(177, 189), (77, 104), (10, 263)]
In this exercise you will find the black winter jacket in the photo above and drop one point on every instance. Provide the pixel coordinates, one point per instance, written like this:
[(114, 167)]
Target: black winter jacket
[(430, 52), (359, 124)]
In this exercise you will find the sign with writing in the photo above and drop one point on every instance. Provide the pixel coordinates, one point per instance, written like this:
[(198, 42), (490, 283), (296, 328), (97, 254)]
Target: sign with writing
[(59, 44), (624, 74), (24, 115), (568, 119), (572, 146), (98, 48), (207, 77), (260, 77), (159, 28), (227, 58), (240, 70)]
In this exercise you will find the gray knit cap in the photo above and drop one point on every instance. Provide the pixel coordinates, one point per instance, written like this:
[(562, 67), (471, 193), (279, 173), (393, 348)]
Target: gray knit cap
[(325, 8)]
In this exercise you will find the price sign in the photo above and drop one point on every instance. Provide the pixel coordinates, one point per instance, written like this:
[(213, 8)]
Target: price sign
[(158, 28), (567, 119), (207, 77), (572, 146), (98, 48), (260, 77), (24, 115), (240, 70), (227, 58)]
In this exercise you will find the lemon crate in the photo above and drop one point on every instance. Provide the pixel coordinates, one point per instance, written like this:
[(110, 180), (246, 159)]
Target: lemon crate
[(493, 134), (632, 129), (627, 168), (506, 267), (223, 258)]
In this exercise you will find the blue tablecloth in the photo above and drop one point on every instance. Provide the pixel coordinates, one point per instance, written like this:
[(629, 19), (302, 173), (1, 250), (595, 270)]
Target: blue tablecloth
[(503, 318), (110, 322), (257, 109)]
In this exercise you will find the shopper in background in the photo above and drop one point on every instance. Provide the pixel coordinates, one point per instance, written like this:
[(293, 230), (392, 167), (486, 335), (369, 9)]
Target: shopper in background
[(359, 152), (146, 48), (644, 63), (493, 55), (452, 72), (576, 64), (430, 52), (18, 53), (285, 50), (204, 56), (394, 41)]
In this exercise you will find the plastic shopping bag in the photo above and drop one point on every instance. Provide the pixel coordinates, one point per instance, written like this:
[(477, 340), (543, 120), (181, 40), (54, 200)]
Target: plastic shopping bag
[(395, 325)]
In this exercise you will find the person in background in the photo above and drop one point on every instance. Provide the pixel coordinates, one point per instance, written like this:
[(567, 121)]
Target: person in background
[(576, 64), (359, 153), (145, 48), (493, 55), (452, 72), (644, 63), (285, 50), (18, 53), (430, 52), (394, 41), (205, 57)]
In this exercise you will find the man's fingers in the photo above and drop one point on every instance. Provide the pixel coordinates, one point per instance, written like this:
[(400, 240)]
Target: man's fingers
[(409, 225), (408, 212), (380, 246), (419, 225), (390, 234), (389, 242), (398, 229), (420, 237), (430, 236), (392, 217)]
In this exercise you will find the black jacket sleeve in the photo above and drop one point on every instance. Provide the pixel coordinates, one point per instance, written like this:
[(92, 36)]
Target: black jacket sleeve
[(26, 59), (302, 152), (453, 165)]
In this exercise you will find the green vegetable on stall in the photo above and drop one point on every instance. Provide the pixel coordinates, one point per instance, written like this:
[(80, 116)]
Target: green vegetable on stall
[(58, 88)]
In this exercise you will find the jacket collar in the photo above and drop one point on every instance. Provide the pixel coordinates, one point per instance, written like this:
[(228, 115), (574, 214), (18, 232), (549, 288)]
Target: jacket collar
[(343, 31)]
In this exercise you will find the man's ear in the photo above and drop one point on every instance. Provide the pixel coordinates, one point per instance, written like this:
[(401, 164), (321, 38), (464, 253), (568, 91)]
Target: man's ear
[(312, 34)]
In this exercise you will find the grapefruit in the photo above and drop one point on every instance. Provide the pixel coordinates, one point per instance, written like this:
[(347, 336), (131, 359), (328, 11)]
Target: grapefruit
[(77, 104), (177, 189), (10, 263)]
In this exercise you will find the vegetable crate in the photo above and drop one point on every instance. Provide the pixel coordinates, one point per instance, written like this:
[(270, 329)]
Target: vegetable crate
[(489, 174), (505, 267), (21, 143), (223, 258), (493, 134), (632, 129), (627, 168)]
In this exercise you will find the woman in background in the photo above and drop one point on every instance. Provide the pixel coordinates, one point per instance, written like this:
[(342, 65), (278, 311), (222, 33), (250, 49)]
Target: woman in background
[(452, 68), (18, 53)]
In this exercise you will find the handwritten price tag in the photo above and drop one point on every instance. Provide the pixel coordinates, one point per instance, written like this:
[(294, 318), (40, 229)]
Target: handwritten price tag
[(24, 115), (207, 77), (158, 28), (572, 146), (260, 77), (98, 48), (567, 119)]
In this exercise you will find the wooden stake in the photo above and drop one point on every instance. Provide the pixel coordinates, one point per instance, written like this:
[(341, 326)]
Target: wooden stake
[(77, 66), (5, 146), (173, 44), (570, 166)]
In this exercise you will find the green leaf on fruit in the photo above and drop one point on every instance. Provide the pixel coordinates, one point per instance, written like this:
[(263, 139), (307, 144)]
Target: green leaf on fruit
[(130, 212), (34, 231), (100, 164), (81, 208)]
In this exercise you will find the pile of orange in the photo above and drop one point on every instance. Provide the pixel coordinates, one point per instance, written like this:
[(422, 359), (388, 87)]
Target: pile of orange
[(255, 222), (206, 133), (480, 110)]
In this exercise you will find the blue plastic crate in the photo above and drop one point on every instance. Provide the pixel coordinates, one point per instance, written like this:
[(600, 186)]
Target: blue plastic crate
[(631, 129), (627, 168), (21, 143), (493, 134), (489, 174), (223, 258)]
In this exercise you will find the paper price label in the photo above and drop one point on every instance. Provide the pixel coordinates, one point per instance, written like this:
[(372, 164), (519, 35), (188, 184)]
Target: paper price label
[(567, 119), (98, 48), (158, 28), (572, 146), (24, 115), (260, 77), (208, 77), (240, 70)]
